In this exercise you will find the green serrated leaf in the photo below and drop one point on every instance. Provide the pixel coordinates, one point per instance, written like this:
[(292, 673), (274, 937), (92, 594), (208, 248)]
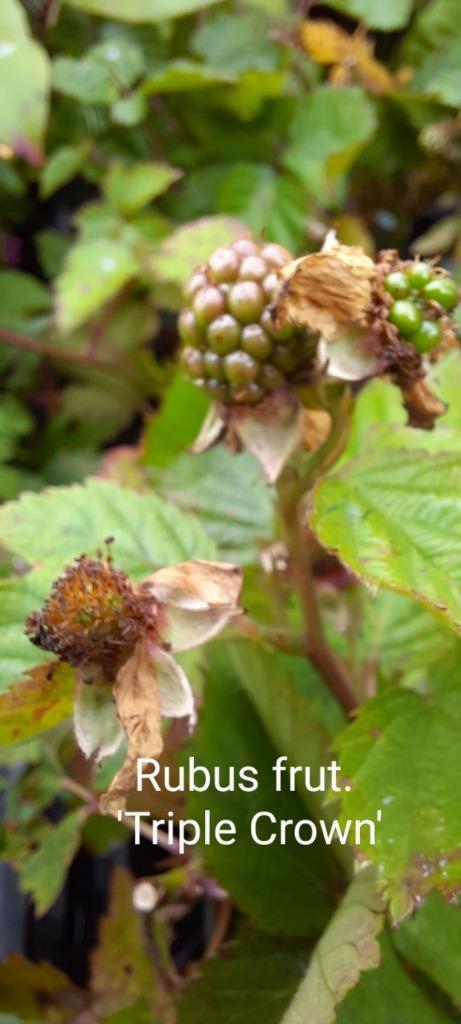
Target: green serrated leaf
[(63, 522), (85, 80), (192, 244), (439, 75), (401, 638), (433, 29), (25, 301), (43, 698), (61, 166), (173, 429), (26, 987), (141, 10), (248, 192), (18, 598), (327, 132), (42, 854), (13, 21), (225, 492), (184, 75), (131, 188), (393, 517), (237, 43), (230, 733), (347, 948), (400, 756), (272, 967), (389, 994), (92, 274), (383, 16), (24, 86), (122, 973), (431, 940)]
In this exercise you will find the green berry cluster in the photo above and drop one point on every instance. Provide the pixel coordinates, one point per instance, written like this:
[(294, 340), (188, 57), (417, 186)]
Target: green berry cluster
[(421, 298), (231, 347)]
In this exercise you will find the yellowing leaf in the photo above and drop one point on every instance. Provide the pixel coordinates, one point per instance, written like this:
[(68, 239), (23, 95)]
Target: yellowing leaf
[(122, 972), (39, 701), (351, 55)]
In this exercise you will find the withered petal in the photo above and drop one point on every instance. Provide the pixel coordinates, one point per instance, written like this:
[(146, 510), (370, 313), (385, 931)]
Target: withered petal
[(212, 430), (137, 702), (97, 728), (197, 599), (327, 291), (271, 431), (175, 692)]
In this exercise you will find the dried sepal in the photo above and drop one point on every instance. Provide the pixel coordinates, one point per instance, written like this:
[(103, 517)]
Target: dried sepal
[(272, 432), (97, 727), (328, 292), (197, 599), (137, 701)]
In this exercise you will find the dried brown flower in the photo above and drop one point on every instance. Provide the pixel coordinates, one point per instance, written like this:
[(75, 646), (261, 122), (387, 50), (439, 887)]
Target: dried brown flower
[(93, 617)]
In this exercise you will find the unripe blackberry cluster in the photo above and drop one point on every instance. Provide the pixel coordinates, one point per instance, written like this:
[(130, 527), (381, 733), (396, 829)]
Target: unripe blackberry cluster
[(232, 348), (422, 298)]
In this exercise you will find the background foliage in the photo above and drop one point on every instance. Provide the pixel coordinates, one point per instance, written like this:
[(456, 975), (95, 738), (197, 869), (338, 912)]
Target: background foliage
[(135, 136)]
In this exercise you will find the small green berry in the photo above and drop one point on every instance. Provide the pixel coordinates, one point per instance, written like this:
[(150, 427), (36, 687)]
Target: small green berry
[(189, 330), (283, 333), (208, 304), (271, 284), (253, 268), (418, 275), (396, 284), (427, 336), (284, 358), (192, 361), (276, 254), (240, 368), (256, 342), (218, 391), (270, 378), (213, 365), (224, 334), (246, 301), (224, 265), (245, 247), (405, 316), (442, 290), (198, 280), (249, 395)]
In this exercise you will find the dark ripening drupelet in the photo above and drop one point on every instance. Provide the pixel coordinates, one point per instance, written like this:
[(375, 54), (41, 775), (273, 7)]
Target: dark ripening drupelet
[(422, 296), (231, 348)]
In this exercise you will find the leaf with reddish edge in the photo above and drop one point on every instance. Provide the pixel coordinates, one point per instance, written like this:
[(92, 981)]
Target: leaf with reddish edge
[(40, 700), (38, 992), (402, 756), (122, 972)]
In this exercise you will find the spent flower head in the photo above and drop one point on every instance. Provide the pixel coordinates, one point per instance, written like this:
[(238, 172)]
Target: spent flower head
[(120, 638)]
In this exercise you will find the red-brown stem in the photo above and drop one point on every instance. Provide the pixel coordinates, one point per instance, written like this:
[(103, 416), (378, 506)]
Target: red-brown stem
[(316, 646), (41, 348)]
